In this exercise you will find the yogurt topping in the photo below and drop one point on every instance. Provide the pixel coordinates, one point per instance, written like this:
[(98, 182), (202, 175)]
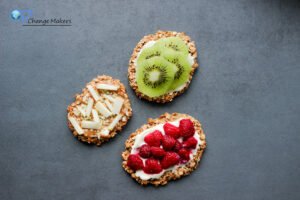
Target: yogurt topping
[(150, 44), (139, 141)]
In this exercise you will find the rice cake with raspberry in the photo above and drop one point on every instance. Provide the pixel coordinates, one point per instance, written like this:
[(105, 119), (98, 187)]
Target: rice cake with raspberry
[(165, 166), (146, 42), (100, 111)]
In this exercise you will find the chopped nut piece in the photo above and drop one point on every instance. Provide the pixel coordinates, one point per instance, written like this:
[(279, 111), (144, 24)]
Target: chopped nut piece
[(118, 103), (109, 97), (114, 122), (104, 132), (93, 92), (91, 124), (98, 135), (85, 98), (102, 109), (76, 125), (81, 110), (108, 104), (76, 112), (103, 86), (89, 107), (95, 115)]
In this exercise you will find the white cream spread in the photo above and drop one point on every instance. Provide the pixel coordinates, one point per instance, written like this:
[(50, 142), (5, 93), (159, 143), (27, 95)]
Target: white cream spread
[(139, 141), (150, 44)]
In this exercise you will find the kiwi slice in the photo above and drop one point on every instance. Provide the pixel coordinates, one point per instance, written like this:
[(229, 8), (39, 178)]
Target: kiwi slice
[(149, 52), (183, 67), (174, 43), (155, 76)]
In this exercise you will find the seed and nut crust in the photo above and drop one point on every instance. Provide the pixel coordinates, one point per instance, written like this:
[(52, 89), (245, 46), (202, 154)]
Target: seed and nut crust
[(168, 175), (153, 37), (89, 135)]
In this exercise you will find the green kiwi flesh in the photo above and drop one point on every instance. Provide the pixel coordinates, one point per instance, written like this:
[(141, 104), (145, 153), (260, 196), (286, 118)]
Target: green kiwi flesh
[(163, 67), (183, 67), (155, 76), (174, 43), (149, 52)]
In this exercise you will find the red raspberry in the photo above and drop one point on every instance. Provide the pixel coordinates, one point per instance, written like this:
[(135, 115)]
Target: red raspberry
[(172, 130), (152, 166), (184, 154), (177, 146), (186, 127), (168, 142), (157, 152), (170, 159), (135, 162), (145, 151), (154, 138), (190, 143)]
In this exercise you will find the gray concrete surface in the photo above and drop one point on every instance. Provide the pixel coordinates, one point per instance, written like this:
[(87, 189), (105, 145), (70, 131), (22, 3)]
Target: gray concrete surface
[(246, 94)]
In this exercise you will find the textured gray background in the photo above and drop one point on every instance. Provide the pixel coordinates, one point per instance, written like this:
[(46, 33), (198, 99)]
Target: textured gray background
[(246, 94)]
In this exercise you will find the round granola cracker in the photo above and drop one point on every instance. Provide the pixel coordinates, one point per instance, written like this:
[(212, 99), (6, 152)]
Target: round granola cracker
[(100, 111), (189, 167), (153, 37)]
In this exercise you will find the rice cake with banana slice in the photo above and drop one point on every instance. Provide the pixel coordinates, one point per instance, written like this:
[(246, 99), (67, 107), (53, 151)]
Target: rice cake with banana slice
[(100, 111), (169, 45)]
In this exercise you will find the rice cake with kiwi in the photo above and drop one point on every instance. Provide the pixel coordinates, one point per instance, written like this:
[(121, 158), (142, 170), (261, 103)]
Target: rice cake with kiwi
[(100, 111), (147, 42), (169, 174)]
